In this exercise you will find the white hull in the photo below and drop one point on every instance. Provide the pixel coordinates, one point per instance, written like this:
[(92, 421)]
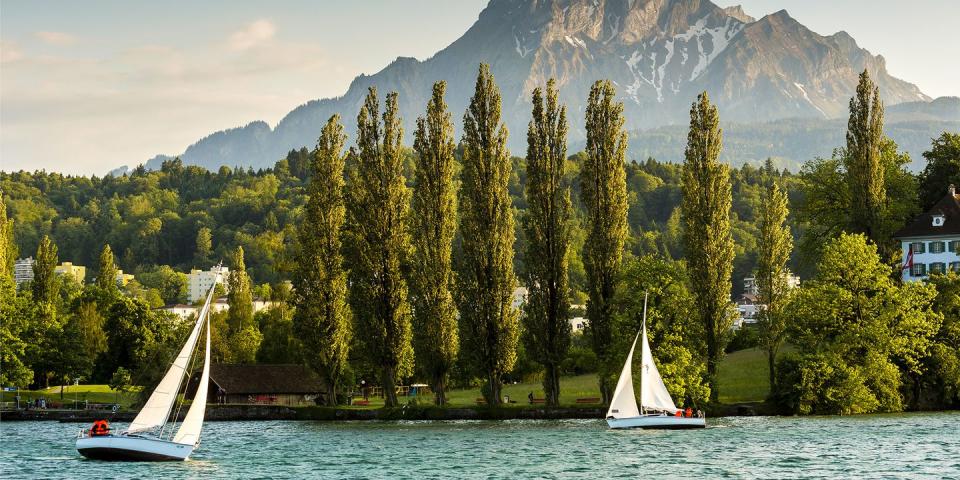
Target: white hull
[(132, 448), (657, 421)]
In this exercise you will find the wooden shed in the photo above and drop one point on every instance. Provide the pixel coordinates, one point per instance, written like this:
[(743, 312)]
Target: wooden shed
[(261, 384)]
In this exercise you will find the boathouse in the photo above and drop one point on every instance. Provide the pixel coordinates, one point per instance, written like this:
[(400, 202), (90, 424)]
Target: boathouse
[(260, 384)]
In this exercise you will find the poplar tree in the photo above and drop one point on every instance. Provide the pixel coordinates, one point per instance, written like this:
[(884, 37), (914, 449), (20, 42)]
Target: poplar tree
[(773, 251), (380, 241), (12, 321), (107, 277), (244, 335), (8, 249), (546, 226), (433, 226), (708, 245), (204, 247), (322, 319), (863, 161), (489, 327), (603, 192), (44, 285)]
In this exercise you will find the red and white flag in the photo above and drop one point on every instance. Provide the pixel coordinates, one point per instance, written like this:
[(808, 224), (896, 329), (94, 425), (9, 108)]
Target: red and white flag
[(909, 263)]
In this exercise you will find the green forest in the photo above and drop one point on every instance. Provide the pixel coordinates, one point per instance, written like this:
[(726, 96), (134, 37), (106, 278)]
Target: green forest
[(329, 220)]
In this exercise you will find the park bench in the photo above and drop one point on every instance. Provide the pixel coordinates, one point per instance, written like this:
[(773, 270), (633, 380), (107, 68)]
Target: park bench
[(534, 401), (481, 401), (589, 400), (361, 403)]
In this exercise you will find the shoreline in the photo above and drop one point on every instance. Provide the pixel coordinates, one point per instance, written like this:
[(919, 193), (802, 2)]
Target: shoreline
[(323, 413)]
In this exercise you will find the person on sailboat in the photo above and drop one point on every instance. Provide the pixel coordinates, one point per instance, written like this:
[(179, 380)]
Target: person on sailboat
[(100, 428), (688, 412)]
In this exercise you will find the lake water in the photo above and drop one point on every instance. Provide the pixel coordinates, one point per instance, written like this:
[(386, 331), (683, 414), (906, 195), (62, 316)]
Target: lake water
[(881, 446)]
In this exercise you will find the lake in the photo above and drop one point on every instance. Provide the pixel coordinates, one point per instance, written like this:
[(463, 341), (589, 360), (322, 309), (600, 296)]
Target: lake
[(923, 445)]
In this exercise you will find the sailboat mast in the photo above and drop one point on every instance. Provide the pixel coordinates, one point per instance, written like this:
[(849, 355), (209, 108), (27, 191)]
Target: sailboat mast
[(643, 370)]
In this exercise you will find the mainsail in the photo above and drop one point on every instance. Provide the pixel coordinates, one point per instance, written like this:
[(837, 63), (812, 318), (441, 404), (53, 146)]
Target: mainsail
[(157, 409), (653, 393), (189, 432), (624, 402)]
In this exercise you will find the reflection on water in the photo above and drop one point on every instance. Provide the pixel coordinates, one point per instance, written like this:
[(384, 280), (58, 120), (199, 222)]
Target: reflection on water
[(914, 445)]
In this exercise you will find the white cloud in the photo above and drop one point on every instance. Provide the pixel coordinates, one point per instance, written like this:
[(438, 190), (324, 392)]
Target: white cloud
[(9, 52), (59, 39), (252, 35)]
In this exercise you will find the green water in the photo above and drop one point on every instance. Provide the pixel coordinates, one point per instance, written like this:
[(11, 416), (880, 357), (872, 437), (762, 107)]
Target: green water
[(883, 446)]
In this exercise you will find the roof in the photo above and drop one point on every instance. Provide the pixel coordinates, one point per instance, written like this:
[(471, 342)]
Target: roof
[(259, 379), (922, 225)]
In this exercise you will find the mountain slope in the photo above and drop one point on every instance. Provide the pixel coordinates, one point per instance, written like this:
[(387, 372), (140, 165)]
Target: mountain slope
[(660, 53)]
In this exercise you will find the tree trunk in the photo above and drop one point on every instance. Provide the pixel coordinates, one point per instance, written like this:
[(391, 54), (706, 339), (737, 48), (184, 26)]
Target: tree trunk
[(389, 387), (712, 360), (606, 393), (331, 399), (439, 390), (551, 384), (771, 363), (493, 390)]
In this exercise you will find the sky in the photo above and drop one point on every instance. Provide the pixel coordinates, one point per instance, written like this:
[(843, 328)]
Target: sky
[(86, 87)]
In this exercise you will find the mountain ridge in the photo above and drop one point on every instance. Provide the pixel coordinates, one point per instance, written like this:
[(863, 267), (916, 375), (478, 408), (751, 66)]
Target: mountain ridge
[(659, 53)]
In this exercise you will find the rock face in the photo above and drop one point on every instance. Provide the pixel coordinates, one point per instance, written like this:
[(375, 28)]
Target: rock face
[(660, 54)]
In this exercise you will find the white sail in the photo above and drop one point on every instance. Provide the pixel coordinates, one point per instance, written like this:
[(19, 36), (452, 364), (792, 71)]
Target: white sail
[(189, 432), (157, 409), (653, 393), (624, 402)]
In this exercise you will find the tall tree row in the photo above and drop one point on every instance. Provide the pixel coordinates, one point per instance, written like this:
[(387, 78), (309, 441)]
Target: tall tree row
[(603, 188), (323, 320), (378, 208), (707, 241), (13, 347), (546, 226), (433, 226), (773, 252), (489, 327)]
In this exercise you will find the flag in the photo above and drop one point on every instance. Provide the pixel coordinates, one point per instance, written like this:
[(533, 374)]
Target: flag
[(909, 263)]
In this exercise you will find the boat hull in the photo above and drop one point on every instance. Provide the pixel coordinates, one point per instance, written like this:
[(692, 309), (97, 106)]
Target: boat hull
[(664, 422), (132, 448)]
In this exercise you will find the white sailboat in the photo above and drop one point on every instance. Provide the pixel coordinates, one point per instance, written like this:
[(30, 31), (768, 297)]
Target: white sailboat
[(148, 438), (656, 409)]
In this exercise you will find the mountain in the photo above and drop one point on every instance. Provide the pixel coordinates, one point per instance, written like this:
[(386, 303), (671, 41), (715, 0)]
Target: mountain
[(660, 54)]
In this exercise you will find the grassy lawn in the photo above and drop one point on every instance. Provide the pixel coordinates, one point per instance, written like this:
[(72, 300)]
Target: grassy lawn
[(71, 393), (743, 378)]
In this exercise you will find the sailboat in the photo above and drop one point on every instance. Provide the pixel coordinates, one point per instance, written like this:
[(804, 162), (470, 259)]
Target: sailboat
[(148, 437), (656, 409)]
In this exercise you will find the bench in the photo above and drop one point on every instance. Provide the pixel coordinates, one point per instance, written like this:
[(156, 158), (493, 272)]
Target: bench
[(534, 401), (589, 400), (481, 401), (362, 403)]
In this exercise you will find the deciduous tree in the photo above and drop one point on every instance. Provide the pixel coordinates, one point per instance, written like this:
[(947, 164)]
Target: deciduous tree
[(547, 228), (433, 225)]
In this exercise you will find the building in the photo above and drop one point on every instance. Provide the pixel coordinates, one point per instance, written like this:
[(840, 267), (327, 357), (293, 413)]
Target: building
[(123, 278), (519, 297), (748, 305), (931, 242), (260, 384), (23, 270), (185, 312), (750, 284), (578, 325), (200, 281), (68, 268)]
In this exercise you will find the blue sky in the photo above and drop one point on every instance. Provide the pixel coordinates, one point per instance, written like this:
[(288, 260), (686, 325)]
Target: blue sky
[(88, 86)]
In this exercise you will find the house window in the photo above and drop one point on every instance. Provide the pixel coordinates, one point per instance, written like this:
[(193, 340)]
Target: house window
[(955, 267), (918, 270), (918, 247), (936, 247), (938, 268), (955, 247)]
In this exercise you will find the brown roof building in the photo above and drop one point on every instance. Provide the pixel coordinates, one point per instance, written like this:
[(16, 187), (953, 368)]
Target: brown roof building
[(261, 384)]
